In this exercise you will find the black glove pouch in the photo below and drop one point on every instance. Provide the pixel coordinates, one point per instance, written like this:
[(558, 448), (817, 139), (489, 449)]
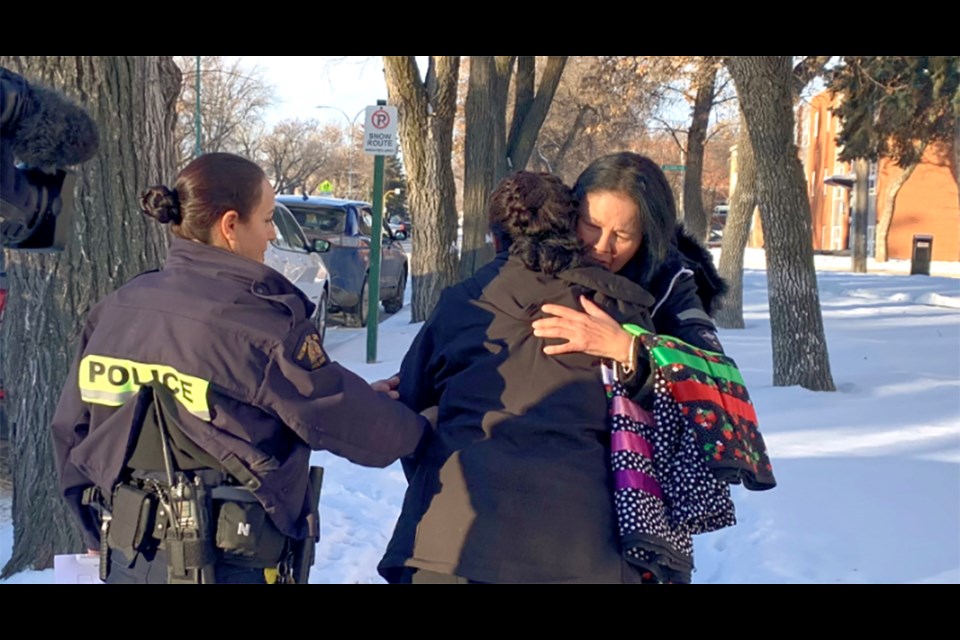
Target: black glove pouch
[(246, 536), (133, 517)]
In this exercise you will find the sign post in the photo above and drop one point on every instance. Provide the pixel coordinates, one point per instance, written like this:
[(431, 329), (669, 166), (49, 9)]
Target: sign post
[(379, 140)]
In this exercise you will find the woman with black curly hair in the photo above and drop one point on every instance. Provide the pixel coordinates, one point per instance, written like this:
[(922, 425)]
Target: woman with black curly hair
[(515, 484)]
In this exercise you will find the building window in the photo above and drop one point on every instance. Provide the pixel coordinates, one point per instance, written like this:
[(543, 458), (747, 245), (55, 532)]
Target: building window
[(838, 217), (839, 206)]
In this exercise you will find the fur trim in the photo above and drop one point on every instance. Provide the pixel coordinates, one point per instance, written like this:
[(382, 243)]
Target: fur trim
[(711, 287)]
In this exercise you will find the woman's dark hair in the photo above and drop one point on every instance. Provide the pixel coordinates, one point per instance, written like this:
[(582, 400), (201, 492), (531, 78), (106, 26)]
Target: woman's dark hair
[(534, 216), (642, 180), (208, 187)]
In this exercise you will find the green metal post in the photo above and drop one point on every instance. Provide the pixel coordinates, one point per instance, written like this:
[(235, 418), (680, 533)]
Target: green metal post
[(376, 248), (197, 150)]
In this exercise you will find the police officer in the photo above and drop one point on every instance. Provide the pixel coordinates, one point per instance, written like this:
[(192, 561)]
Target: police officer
[(226, 347)]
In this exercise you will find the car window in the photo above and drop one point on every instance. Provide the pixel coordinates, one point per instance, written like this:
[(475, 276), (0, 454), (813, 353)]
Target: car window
[(297, 234), (366, 224), (280, 240), (290, 229), (366, 221), (323, 219)]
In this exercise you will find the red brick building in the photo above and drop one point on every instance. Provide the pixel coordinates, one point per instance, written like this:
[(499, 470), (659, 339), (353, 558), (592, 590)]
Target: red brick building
[(927, 203)]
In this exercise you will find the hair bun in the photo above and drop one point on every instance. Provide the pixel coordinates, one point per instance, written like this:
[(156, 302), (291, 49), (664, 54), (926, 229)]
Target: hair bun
[(162, 204), (531, 190)]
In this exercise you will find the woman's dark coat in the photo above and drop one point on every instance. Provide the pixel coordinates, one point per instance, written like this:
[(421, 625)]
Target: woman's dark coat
[(515, 486)]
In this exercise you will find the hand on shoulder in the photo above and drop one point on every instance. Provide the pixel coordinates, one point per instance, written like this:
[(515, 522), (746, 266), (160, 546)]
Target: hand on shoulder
[(591, 331)]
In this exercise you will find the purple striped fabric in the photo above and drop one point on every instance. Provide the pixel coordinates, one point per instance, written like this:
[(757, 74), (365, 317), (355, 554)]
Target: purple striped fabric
[(629, 441), (632, 410), (631, 479)]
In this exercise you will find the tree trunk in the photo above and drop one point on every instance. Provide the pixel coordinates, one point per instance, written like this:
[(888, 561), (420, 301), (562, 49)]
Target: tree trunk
[(955, 156), (527, 121), (523, 93), (737, 228), (579, 124), (886, 216), (860, 197), (695, 219), (489, 154), (736, 232), (484, 160), (132, 98), (800, 354), (426, 110)]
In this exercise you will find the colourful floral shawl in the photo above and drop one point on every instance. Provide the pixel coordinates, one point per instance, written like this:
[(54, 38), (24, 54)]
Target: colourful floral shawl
[(672, 468)]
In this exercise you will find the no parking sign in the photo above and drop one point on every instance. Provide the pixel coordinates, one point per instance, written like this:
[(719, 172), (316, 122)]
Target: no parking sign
[(380, 131)]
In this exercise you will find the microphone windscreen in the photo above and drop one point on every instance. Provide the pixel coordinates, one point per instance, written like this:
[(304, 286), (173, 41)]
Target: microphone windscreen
[(53, 131)]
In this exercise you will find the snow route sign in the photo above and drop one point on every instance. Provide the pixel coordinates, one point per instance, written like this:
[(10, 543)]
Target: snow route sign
[(380, 131)]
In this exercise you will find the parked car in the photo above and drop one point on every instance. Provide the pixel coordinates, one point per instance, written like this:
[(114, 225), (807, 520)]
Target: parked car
[(717, 223), (715, 239), (346, 225), (401, 228), (298, 258)]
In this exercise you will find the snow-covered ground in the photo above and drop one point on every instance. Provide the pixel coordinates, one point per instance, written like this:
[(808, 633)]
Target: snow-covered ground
[(869, 476)]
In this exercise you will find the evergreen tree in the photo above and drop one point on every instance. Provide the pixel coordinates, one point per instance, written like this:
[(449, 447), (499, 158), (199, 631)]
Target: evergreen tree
[(895, 107), (395, 178)]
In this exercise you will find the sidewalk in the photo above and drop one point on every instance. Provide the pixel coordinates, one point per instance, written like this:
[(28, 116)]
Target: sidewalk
[(891, 267), (947, 294), (756, 259)]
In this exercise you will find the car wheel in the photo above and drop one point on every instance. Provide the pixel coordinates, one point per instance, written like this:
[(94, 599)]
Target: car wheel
[(320, 316), (358, 317), (395, 303)]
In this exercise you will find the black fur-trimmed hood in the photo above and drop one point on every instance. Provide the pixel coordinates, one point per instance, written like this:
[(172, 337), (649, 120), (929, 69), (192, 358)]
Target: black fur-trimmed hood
[(711, 287)]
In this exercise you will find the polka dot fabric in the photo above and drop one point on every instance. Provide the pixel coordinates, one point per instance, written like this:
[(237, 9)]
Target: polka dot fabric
[(664, 492)]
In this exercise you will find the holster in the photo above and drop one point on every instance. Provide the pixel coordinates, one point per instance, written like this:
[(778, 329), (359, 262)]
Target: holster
[(304, 551), (175, 497)]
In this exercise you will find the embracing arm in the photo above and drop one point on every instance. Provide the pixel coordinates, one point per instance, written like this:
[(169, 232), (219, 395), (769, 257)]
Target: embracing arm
[(591, 331), (334, 409), (596, 333)]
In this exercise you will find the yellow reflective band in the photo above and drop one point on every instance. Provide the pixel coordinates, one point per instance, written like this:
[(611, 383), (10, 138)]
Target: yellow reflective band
[(271, 575), (113, 381)]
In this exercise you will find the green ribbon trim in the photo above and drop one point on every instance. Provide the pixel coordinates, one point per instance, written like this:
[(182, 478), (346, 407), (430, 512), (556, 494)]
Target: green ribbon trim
[(634, 330), (664, 356)]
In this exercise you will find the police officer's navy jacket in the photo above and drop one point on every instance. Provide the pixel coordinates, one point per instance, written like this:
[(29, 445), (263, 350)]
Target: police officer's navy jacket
[(232, 339)]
